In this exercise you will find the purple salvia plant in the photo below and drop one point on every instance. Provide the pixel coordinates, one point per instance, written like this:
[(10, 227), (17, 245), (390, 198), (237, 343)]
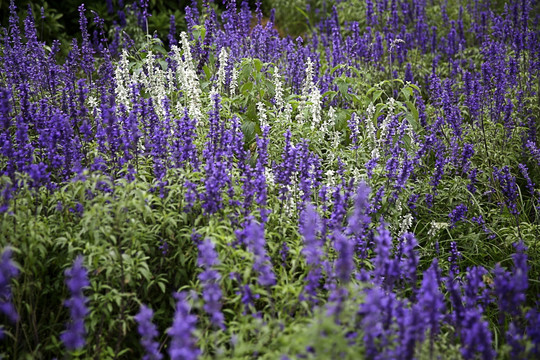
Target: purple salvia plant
[(211, 291), (76, 280), (454, 258), (172, 31), (431, 300), (508, 186), (312, 251), (458, 214), (454, 288), (359, 219), (530, 184), (533, 329), (8, 270), (184, 150), (183, 342), (254, 234), (148, 332), (377, 313), (476, 293), (511, 287), (476, 337), (87, 63), (386, 269), (409, 259), (344, 265), (514, 338), (410, 330)]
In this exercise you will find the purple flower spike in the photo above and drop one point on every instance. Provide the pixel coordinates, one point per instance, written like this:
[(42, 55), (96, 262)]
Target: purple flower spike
[(148, 332), (183, 343), (344, 265), (459, 213), (430, 299), (76, 280), (313, 250), (8, 270), (254, 233), (211, 293)]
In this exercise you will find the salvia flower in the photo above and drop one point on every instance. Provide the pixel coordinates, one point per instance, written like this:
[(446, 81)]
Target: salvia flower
[(360, 219), (254, 233), (211, 292), (476, 336), (148, 332), (431, 300), (511, 287), (533, 329), (313, 249), (344, 265), (409, 258), (76, 280), (509, 188), (459, 213), (8, 270), (386, 269), (183, 342)]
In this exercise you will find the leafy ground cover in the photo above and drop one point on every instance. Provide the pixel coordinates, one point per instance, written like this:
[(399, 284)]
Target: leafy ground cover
[(369, 189)]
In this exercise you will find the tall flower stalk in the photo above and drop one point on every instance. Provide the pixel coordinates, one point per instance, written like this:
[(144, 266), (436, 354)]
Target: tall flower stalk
[(76, 280)]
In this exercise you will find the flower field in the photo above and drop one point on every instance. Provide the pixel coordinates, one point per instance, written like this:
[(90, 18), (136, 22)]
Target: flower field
[(367, 188)]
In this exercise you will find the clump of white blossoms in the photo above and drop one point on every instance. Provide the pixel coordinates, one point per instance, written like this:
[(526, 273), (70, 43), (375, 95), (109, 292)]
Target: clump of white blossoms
[(155, 82), (312, 95), (221, 72), (293, 195), (187, 79), (234, 81), (405, 223), (123, 82), (372, 132), (330, 178), (436, 227), (263, 117), (286, 116), (278, 86), (270, 177)]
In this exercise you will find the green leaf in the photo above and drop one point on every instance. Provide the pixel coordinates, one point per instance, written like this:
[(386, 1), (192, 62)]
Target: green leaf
[(258, 64), (245, 88), (207, 72)]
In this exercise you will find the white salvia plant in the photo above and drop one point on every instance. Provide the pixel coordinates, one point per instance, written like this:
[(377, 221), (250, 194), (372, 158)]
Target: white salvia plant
[(93, 105), (315, 107), (187, 78), (331, 117), (334, 144), (270, 178), (308, 81), (123, 81), (263, 117), (234, 81), (155, 82), (293, 196), (405, 223), (357, 175), (278, 85), (330, 178), (312, 94), (372, 132), (328, 124), (221, 73), (436, 227), (287, 114)]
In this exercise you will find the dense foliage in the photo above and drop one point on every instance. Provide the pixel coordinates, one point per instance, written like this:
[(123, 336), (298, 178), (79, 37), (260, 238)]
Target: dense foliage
[(369, 189)]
